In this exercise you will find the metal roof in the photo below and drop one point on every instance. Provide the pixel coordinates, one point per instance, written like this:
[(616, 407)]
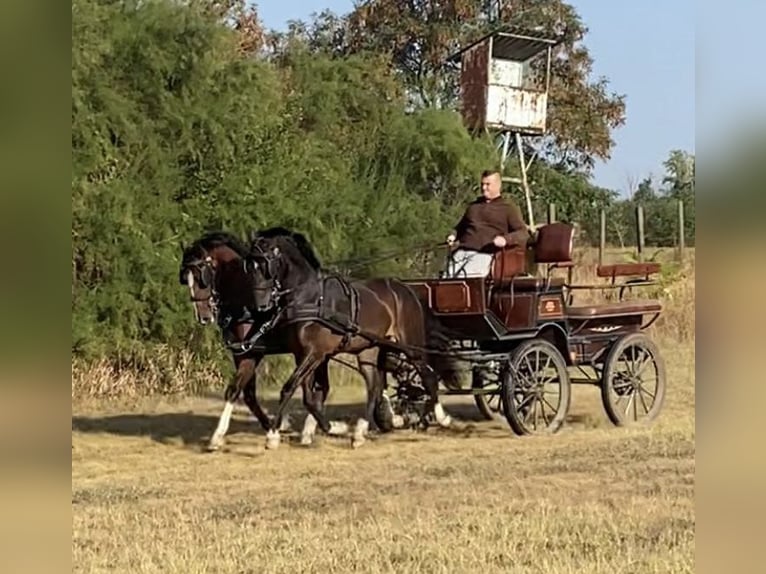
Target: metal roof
[(512, 43)]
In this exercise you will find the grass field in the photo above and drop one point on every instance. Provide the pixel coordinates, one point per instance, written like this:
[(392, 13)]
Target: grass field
[(472, 498)]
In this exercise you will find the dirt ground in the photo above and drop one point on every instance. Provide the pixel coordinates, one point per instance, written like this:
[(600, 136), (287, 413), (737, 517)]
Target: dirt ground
[(473, 498)]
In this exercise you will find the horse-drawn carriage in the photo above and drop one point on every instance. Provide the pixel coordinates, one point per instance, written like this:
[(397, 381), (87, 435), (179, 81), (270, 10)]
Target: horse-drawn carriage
[(519, 333), (522, 334)]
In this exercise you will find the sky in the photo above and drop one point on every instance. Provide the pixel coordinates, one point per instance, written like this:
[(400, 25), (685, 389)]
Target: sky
[(647, 51)]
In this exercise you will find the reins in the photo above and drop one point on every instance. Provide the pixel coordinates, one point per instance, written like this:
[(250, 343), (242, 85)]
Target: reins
[(359, 262)]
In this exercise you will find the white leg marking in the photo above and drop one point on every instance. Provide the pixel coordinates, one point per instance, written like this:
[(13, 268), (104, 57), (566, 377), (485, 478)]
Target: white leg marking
[(309, 429), (360, 432), (397, 421), (223, 426), (272, 440), (442, 418), (286, 424), (338, 428)]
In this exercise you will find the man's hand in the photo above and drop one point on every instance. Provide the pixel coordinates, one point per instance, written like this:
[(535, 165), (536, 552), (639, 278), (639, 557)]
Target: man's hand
[(451, 239), (500, 241)]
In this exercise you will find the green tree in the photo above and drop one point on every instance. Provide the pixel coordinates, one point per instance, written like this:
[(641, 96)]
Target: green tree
[(419, 36)]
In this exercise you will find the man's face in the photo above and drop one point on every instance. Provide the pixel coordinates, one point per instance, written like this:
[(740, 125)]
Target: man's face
[(490, 186)]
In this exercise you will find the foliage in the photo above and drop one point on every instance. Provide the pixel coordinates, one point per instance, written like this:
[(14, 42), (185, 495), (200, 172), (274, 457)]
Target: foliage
[(188, 116), (418, 37), (174, 132)]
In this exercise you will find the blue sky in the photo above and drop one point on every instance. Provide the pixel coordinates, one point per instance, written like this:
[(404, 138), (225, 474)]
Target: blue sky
[(647, 50)]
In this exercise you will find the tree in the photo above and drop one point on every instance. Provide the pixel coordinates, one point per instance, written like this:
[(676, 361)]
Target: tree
[(419, 36)]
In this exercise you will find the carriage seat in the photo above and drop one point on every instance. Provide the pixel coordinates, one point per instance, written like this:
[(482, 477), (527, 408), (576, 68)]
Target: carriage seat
[(615, 309), (550, 245)]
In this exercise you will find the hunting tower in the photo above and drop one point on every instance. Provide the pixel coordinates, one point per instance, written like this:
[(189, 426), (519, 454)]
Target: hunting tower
[(504, 81)]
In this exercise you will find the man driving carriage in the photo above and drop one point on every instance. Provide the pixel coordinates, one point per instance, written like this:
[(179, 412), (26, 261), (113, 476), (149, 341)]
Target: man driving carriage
[(489, 223)]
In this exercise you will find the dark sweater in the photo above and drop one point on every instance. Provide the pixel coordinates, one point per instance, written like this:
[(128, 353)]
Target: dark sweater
[(484, 220)]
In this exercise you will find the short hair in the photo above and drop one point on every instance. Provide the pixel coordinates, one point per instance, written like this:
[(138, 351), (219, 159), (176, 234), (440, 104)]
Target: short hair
[(488, 172)]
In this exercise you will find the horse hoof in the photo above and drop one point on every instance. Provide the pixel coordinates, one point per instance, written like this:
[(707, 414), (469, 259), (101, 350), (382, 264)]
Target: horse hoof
[(307, 440), (356, 442), (272, 440), (398, 422), (214, 445), (445, 422)]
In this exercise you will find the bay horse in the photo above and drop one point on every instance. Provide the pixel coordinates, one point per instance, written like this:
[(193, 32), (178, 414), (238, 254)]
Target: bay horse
[(377, 317), (222, 292)]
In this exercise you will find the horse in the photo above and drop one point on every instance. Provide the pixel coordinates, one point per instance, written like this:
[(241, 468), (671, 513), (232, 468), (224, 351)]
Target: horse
[(323, 315), (222, 292)]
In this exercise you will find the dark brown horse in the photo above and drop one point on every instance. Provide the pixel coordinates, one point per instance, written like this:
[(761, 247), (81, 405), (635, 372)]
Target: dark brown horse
[(212, 269), (322, 315), (221, 291)]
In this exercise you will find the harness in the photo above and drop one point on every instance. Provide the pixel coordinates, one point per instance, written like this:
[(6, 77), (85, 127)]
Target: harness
[(336, 308)]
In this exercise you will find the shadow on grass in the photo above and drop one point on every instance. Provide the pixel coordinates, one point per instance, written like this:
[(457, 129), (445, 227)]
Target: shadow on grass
[(194, 428)]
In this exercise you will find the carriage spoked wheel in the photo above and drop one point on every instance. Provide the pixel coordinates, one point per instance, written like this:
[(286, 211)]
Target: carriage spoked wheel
[(633, 381), (536, 390), (490, 405), (401, 405)]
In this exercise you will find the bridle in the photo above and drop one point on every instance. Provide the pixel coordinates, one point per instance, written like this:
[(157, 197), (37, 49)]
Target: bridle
[(271, 259), (206, 273)]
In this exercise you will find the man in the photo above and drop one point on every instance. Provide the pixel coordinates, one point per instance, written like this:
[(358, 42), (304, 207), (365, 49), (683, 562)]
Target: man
[(490, 223)]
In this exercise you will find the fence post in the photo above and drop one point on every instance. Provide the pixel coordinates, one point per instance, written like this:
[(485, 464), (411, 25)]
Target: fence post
[(551, 212), (602, 238), (640, 231), (681, 231)]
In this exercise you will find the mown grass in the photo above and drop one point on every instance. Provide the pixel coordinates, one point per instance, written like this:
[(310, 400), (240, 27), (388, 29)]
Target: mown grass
[(473, 498)]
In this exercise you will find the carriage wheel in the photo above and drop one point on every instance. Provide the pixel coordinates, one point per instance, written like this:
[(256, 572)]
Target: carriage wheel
[(633, 381), (536, 389), (490, 405), (401, 400)]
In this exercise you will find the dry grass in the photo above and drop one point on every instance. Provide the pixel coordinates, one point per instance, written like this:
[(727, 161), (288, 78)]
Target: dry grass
[(592, 498)]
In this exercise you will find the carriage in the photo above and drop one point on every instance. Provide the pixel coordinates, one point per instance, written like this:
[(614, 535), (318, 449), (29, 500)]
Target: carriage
[(519, 330), (524, 336), (526, 340)]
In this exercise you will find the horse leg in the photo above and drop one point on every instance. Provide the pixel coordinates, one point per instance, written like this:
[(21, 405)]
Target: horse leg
[(251, 400), (304, 371), (431, 383), (368, 366), (397, 421), (314, 396), (245, 373)]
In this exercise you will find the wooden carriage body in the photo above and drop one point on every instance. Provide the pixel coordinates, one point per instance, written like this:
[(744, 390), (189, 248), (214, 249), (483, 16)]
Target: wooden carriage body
[(509, 306)]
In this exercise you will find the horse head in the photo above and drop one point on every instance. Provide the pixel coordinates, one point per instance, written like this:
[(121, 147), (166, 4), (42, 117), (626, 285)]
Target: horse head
[(204, 267), (282, 262)]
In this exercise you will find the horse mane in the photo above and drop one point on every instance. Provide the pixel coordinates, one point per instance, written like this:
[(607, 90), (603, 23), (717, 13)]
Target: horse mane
[(297, 239), (214, 239)]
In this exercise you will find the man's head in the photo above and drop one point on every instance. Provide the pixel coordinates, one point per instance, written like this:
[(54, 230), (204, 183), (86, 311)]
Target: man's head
[(490, 184)]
